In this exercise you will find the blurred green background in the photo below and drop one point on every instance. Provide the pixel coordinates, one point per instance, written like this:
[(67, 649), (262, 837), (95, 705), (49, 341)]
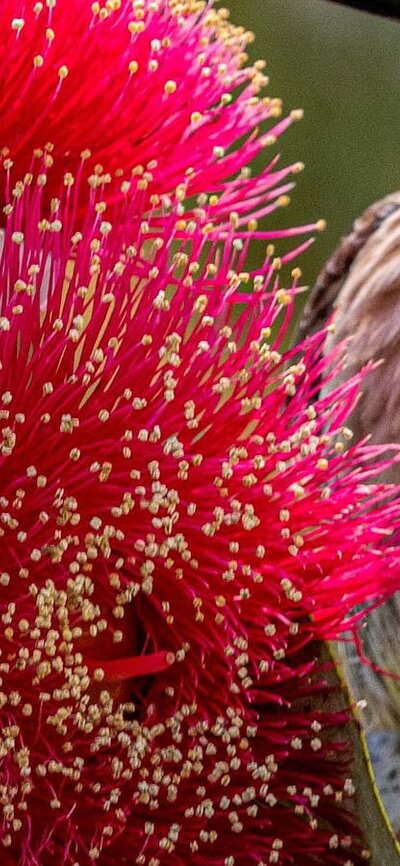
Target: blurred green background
[(343, 68)]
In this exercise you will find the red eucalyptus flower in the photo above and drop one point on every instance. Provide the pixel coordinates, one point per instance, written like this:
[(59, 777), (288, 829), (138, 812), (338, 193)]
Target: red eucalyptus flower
[(177, 538), (157, 86), (180, 527)]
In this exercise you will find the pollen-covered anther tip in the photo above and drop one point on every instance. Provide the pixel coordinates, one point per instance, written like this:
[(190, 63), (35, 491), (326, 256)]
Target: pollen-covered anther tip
[(170, 86), (297, 114), (283, 297), (269, 140), (17, 24), (252, 225)]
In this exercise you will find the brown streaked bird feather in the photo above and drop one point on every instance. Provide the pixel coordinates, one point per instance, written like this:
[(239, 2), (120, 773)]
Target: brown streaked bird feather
[(361, 284), (322, 299)]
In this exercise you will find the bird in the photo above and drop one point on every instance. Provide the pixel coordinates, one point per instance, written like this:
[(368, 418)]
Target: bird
[(358, 290)]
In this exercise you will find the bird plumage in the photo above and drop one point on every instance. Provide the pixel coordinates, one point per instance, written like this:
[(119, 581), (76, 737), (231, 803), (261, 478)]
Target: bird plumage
[(361, 284), (359, 289)]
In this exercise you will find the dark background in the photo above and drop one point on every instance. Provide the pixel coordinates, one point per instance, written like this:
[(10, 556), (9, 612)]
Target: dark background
[(343, 68)]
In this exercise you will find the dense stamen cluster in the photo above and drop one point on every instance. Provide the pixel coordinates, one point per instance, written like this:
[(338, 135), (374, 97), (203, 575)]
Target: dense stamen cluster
[(182, 521), (158, 86), (179, 529)]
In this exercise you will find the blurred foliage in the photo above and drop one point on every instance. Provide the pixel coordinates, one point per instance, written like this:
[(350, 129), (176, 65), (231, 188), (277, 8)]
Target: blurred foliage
[(343, 68)]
